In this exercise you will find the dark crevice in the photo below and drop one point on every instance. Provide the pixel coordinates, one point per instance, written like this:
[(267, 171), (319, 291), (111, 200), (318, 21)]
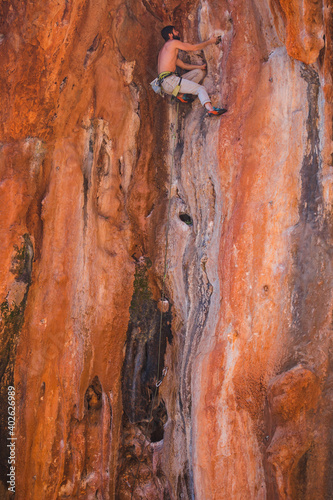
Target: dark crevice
[(86, 172), (142, 347), (91, 144), (93, 396), (142, 423), (66, 11), (63, 84), (187, 219), (300, 477), (160, 418), (42, 390), (91, 50), (85, 200), (183, 485)]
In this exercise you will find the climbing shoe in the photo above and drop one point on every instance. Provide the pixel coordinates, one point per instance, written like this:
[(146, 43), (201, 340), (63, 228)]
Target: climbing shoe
[(185, 98), (217, 111)]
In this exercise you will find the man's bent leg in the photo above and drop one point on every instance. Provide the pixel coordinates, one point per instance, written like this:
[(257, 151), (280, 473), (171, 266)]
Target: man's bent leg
[(190, 87)]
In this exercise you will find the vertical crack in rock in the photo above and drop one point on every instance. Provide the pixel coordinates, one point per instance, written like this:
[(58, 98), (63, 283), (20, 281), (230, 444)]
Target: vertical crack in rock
[(184, 484), (141, 358), (86, 171), (138, 386), (91, 50), (12, 317)]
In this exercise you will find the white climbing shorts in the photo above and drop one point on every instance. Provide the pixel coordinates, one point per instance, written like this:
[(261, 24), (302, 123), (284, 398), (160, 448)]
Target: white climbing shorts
[(189, 84)]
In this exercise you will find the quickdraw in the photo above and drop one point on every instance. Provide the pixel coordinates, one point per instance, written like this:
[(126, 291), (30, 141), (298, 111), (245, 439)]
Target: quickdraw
[(164, 372)]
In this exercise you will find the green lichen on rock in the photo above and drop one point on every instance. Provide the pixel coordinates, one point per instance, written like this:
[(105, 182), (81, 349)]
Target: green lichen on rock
[(12, 314), (22, 260), (11, 324), (12, 318)]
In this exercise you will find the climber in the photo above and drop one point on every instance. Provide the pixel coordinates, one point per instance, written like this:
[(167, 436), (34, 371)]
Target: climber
[(180, 87)]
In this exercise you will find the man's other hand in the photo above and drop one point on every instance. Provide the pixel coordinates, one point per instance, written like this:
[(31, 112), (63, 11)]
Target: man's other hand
[(215, 40)]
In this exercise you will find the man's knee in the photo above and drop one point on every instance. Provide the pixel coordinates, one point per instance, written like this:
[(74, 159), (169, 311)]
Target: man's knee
[(195, 75), (200, 75)]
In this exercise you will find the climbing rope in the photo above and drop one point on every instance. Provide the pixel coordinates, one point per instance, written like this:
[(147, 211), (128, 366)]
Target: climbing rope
[(165, 369)]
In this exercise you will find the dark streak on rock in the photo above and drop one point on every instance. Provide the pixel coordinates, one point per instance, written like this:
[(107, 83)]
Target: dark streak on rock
[(151, 11), (63, 84), (142, 347), (309, 252), (93, 396), (184, 489), (85, 200), (86, 171), (311, 195), (139, 377)]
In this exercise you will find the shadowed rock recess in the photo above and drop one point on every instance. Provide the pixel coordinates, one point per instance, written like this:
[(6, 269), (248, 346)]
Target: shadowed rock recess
[(245, 409)]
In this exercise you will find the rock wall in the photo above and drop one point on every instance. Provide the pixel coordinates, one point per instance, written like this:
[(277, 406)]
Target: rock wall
[(245, 409)]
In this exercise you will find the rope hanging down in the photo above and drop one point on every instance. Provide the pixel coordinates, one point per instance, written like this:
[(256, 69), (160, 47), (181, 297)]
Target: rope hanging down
[(164, 372)]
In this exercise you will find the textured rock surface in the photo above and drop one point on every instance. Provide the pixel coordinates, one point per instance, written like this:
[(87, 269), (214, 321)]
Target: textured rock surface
[(245, 409)]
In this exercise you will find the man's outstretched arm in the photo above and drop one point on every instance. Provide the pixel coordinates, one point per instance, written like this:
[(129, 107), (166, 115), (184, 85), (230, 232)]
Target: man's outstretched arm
[(189, 47), (183, 65)]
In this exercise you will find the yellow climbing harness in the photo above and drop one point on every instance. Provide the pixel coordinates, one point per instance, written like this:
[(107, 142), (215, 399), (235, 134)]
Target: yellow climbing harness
[(164, 75), (164, 372)]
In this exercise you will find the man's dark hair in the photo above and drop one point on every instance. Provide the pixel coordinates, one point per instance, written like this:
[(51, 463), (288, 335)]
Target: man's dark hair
[(165, 32)]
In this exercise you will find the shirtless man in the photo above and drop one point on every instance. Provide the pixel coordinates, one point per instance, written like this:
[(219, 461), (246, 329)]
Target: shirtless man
[(167, 62)]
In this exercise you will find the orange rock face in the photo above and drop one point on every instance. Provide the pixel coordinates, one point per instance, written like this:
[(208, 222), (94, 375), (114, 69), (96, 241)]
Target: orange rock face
[(239, 345), (305, 29)]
